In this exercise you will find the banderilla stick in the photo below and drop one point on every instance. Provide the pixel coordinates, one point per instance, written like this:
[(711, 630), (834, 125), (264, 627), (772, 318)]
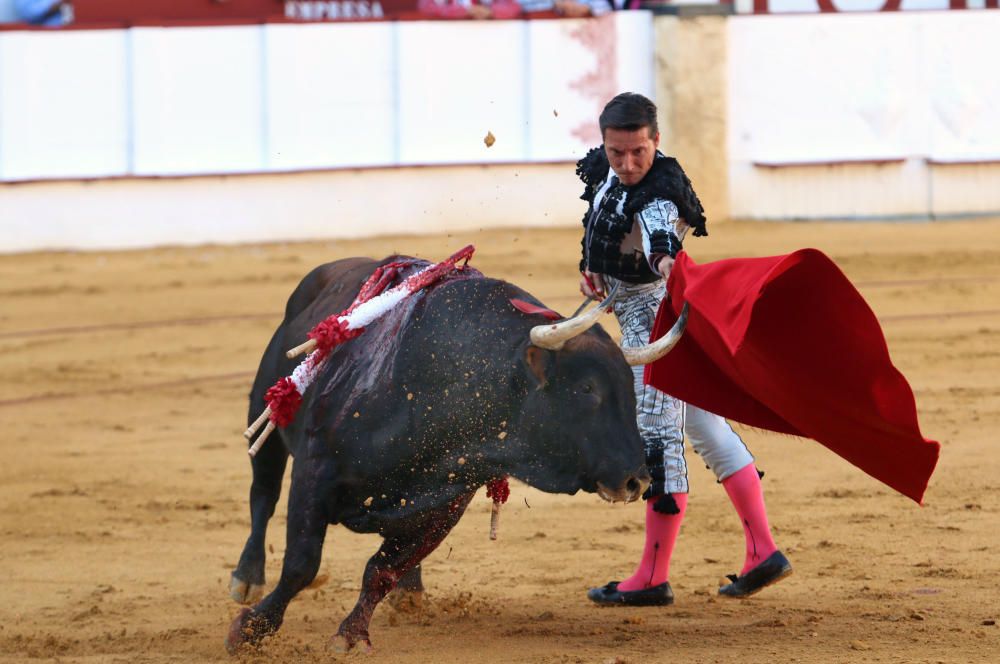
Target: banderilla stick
[(260, 441), (305, 347), (257, 424), (494, 520)]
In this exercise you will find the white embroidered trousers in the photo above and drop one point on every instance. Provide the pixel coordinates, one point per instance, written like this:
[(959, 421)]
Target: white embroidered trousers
[(663, 420)]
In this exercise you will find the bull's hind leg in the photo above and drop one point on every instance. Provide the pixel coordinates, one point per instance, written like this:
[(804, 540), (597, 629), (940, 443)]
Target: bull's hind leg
[(307, 522), (247, 583), (399, 553), (408, 595), (412, 581)]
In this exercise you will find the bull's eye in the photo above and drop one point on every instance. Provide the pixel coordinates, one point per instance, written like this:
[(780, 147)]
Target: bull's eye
[(588, 396)]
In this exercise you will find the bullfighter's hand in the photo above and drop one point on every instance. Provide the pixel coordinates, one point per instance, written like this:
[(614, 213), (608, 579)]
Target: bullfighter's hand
[(664, 267), (681, 228), (587, 279)]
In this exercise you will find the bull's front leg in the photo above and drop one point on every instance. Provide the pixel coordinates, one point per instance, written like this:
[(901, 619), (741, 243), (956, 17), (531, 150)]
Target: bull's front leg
[(399, 553), (307, 523), (247, 583)]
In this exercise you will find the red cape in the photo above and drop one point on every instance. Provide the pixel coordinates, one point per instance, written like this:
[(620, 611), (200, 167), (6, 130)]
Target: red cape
[(786, 343)]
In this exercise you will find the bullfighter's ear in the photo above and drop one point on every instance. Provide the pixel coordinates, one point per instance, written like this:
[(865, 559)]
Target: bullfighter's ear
[(540, 362)]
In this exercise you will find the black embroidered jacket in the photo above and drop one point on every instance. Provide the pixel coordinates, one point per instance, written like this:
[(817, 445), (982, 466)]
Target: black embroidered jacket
[(616, 212)]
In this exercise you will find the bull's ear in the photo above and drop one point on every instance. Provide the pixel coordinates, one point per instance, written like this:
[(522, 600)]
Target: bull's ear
[(540, 363)]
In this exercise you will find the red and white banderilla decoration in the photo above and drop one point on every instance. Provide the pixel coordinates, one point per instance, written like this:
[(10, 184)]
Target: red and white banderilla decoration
[(373, 301)]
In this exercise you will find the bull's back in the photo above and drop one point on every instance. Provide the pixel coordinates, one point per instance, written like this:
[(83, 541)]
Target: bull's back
[(464, 325), (333, 285), (327, 289)]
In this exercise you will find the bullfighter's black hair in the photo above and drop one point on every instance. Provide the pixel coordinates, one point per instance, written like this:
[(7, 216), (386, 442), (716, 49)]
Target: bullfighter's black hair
[(629, 111)]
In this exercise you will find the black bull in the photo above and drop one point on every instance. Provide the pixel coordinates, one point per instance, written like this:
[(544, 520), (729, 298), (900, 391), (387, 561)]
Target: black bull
[(408, 420)]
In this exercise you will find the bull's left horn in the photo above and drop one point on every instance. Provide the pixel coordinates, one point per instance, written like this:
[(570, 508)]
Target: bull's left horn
[(654, 351), (555, 336)]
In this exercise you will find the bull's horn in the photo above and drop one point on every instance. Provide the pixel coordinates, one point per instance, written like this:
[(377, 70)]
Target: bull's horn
[(553, 337), (654, 351)]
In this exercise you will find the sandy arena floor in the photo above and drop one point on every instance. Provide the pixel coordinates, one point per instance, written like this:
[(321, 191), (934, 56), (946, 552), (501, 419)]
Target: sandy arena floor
[(124, 478)]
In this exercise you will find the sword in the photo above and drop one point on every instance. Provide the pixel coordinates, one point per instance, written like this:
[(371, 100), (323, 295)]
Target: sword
[(608, 300)]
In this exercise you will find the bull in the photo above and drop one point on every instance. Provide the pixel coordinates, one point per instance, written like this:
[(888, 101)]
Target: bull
[(452, 388)]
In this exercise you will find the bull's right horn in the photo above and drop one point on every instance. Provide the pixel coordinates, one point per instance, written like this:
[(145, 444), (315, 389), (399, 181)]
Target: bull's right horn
[(555, 336), (654, 351)]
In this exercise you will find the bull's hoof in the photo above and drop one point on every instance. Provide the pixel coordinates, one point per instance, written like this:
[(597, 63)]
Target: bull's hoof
[(247, 630), (406, 601), (341, 643), (237, 636), (243, 592)]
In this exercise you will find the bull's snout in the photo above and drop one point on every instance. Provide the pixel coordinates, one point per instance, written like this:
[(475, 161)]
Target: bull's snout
[(629, 491)]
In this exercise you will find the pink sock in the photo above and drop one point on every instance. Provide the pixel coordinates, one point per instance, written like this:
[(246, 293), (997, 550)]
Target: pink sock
[(747, 497), (661, 535)]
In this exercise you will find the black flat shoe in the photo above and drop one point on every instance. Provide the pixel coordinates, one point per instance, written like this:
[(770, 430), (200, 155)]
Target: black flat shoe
[(772, 570), (609, 595)]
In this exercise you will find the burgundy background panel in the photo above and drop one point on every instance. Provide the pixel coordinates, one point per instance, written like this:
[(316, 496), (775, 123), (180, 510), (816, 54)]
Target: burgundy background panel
[(153, 11)]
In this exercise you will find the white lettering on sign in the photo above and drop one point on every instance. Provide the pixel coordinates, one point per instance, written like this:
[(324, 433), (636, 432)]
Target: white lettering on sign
[(333, 11)]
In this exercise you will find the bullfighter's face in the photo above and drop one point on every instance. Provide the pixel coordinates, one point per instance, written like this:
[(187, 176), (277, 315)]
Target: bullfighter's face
[(631, 153)]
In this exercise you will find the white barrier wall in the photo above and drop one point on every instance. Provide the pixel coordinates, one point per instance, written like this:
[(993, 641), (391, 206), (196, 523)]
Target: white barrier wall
[(144, 212), (331, 95), (865, 115), (881, 115), (294, 110), (63, 104), (196, 100), (155, 101)]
